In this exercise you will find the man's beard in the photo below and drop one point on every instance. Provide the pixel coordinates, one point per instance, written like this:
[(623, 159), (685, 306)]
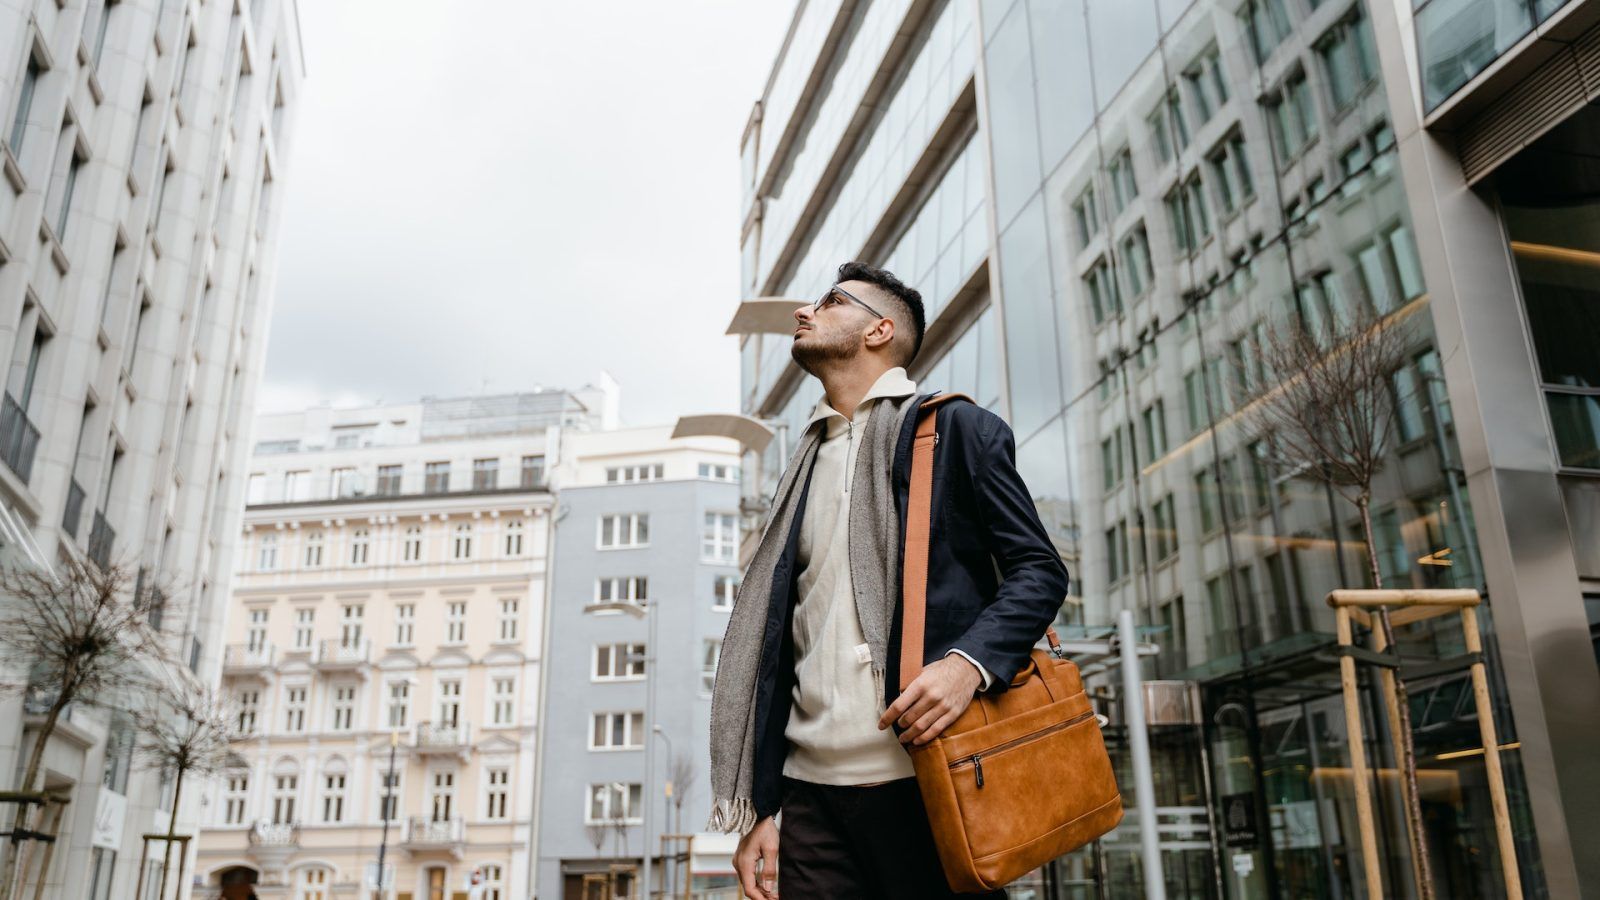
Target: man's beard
[(820, 351)]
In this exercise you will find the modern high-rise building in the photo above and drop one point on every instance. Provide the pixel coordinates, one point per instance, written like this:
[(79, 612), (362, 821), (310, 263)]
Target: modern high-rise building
[(142, 165), (1108, 206), (384, 648), (644, 573)]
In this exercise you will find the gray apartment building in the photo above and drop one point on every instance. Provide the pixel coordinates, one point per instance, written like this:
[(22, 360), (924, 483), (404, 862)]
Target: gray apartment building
[(644, 568), (1107, 205)]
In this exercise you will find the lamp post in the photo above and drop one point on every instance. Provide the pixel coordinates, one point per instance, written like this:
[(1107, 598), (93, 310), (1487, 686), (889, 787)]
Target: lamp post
[(388, 810), (643, 609), (667, 788)]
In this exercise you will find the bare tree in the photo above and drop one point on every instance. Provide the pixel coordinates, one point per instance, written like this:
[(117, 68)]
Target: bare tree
[(683, 774), (86, 631), (1327, 413), (183, 731)]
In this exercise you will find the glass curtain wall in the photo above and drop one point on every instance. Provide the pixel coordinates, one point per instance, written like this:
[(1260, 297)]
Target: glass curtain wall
[(1171, 181)]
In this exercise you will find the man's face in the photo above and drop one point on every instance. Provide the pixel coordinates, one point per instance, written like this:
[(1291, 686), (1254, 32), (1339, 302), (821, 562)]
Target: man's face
[(835, 332)]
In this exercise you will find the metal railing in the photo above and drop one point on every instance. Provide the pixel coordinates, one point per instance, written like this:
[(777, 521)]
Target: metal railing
[(339, 652), (18, 438), (275, 834), (420, 830), (101, 537), (72, 512), (443, 736), (244, 656)]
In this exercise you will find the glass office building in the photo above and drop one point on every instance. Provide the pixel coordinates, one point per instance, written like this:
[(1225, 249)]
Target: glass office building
[(1109, 205)]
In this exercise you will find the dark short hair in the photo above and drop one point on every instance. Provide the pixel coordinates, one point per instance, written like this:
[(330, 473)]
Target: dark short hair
[(886, 281)]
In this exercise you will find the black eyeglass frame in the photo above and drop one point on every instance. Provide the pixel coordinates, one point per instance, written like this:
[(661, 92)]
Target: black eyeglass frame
[(835, 289)]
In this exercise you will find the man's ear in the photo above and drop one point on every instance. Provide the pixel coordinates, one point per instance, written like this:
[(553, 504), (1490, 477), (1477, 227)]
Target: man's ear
[(881, 334)]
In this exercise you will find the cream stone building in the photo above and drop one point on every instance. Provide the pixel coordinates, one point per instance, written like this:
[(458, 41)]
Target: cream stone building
[(388, 599)]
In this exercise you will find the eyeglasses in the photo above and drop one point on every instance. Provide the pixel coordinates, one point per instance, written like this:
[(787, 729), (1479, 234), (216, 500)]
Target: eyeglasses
[(832, 295)]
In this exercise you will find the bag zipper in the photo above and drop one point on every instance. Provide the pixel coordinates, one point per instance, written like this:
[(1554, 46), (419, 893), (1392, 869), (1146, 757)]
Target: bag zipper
[(977, 758)]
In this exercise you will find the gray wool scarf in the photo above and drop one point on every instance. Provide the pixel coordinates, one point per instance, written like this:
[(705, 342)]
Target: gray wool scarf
[(874, 537)]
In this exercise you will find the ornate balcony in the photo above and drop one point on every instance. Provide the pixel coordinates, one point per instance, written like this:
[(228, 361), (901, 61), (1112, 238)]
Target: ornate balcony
[(444, 739), (336, 654), (273, 843), (246, 661), (425, 836)]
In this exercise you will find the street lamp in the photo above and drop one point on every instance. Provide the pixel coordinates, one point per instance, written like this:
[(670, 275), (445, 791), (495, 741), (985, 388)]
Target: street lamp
[(642, 610), (666, 806), (388, 808)]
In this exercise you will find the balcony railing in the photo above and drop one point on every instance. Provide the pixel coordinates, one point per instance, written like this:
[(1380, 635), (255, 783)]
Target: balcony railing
[(18, 438), (424, 833), (337, 652), (443, 737), (101, 537), (72, 513), (275, 834), (244, 657)]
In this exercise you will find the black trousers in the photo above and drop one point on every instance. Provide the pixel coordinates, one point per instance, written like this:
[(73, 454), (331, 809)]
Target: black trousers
[(847, 842)]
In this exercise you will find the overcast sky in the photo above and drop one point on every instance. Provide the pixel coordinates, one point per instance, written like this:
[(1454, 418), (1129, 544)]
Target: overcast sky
[(489, 196)]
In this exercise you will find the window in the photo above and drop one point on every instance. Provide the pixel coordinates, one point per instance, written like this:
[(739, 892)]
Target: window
[(449, 704), (389, 795), (1186, 211), (625, 530), (235, 798), (60, 196), (1164, 528), (314, 542), (1389, 269), (399, 704), (1205, 492), (1124, 189), (442, 796), (344, 707), (493, 882), (1086, 214), (246, 703), (102, 865), (350, 617), (1232, 488), (461, 547), (1111, 460), (632, 474), (719, 472), (509, 607), (719, 537), (313, 884), (1260, 475), (284, 788), (1291, 116), (455, 622), (294, 709), (1208, 88), (616, 731), (1136, 261), (405, 618), (613, 802), (485, 474), (503, 703), (634, 588), (267, 552), (256, 637), (514, 531), (333, 797), (1265, 23), (19, 118), (1156, 121), (345, 482), (724, 590), (389, 480), (304, 618), (1155, 431), (436, 478), (532, 475), (297, 485), (411, 547), (497, 787), (1104, 300), (1349, 59), (618, 662), (360, 541), (1117, 561), (710, 654), (1230, 169)]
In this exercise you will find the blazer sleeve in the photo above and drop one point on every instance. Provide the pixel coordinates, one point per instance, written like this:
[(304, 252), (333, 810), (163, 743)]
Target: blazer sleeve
[(1033, 577)]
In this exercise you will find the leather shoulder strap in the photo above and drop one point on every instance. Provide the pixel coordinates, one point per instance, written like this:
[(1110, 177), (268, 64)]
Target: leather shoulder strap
[(919, 525)]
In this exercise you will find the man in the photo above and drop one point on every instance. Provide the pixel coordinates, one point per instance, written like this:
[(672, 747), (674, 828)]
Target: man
[(802, 716)]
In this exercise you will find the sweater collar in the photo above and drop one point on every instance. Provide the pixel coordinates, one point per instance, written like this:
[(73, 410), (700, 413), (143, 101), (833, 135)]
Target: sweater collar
[(892, 383)]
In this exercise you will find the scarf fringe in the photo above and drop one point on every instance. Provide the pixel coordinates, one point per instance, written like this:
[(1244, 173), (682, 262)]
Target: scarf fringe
[(735, 815), (877, 685)]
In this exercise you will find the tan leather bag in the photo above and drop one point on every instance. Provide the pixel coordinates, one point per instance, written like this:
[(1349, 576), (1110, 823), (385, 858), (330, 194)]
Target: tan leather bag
[(1022, 776)]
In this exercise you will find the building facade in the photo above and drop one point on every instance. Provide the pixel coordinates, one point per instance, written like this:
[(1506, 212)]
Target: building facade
[(383, 655), (648, 524), (1109, 207), (142, 167)]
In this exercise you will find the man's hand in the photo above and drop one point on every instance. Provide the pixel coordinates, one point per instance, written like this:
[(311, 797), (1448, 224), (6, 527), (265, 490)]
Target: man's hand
[(937, 697), (759, 845)]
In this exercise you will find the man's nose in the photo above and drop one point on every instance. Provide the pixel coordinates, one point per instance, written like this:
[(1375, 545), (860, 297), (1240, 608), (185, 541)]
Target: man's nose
[(803, 314)]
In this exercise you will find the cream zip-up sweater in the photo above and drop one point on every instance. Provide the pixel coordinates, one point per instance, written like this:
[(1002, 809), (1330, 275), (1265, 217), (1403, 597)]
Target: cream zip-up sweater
[(833, 726)]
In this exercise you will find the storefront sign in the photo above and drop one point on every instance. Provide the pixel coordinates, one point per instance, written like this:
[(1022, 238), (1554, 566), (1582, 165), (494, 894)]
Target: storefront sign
[(1243, 864), (1239, 819), (109, 811)]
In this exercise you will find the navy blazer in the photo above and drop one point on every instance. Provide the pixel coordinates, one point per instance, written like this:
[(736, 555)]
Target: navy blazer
[(995, 581)]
